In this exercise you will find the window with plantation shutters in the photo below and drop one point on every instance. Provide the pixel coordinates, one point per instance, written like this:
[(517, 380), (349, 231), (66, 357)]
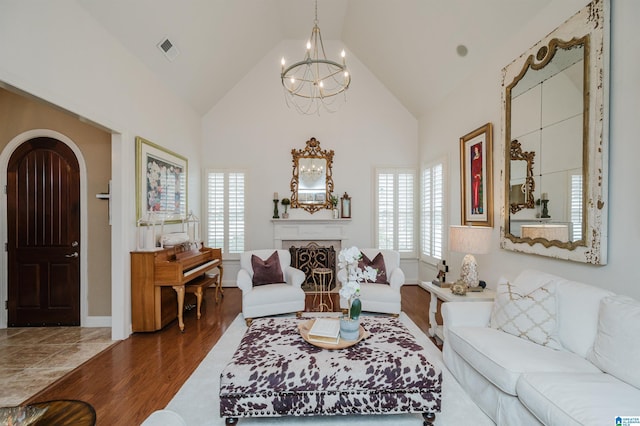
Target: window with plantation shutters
[(385, 183), (395, 212), (406, 212), (576, 207), (225, 216), (432, 218)]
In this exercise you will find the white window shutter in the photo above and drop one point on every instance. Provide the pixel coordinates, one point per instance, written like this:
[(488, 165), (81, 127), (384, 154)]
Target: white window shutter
[(395, 210), (225, 216), (433, 221)]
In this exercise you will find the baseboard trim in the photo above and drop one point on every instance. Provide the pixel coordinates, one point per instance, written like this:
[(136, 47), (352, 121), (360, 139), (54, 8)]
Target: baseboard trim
[(97, 322)]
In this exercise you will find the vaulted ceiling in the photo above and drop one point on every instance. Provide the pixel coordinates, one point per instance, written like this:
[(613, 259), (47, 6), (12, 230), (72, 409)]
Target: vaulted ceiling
[(409, 45)]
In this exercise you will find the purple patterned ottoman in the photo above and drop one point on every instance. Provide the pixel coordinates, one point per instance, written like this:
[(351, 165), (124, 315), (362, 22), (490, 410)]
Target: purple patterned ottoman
[(275, 372)]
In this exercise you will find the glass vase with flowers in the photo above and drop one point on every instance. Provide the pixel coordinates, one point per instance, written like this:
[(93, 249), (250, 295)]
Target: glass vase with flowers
[(348, 260)]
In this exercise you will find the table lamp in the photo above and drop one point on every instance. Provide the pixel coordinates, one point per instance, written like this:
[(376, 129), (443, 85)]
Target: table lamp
[(470, 240)]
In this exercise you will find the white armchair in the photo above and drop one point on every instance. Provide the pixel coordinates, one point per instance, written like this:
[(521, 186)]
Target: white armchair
[(270, 299), (384, 298)]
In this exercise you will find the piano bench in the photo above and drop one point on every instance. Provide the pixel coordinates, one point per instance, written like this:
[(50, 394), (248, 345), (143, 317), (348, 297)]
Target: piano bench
[(198, 286)]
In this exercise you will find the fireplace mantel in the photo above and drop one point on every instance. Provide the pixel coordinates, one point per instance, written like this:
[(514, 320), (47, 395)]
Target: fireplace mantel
[(310, 230), (309, 221)]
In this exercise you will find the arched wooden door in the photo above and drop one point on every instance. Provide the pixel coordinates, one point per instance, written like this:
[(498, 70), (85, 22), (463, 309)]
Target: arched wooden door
[(43, 218)]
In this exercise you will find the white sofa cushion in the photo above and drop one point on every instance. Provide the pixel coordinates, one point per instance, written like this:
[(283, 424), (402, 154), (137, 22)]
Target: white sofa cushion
[(527, 313), (502, 357), (380, 298), (577, 398), (578, 306), (272, 299), (617, 346), (530, 279)]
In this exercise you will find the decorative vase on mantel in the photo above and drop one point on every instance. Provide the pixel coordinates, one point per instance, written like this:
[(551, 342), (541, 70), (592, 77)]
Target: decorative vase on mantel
[(336, 213)]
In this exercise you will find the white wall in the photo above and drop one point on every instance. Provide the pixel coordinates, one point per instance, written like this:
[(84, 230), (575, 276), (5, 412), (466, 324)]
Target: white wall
[(253, 129), (478, 101), (57, 52)]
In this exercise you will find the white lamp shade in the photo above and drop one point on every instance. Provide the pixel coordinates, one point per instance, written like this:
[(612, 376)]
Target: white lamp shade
[(470, 239)]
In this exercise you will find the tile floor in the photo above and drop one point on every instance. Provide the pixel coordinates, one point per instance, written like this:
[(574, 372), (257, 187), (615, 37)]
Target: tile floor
[(34, 357)]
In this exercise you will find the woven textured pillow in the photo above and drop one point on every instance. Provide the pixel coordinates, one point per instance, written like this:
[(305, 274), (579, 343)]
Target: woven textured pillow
[(531, 316)]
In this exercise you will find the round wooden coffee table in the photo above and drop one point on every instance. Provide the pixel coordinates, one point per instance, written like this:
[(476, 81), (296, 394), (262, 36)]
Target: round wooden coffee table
[(66, 412)]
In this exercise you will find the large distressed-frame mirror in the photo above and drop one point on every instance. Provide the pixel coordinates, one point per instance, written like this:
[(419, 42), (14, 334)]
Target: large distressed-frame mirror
[(555, 106), (312, 181)]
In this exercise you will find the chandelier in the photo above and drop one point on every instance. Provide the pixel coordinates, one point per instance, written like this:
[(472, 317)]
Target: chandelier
[(311, 173), (314, 82)]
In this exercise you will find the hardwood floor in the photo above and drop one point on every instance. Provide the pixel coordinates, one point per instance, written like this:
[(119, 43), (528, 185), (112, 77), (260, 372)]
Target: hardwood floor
[(141, 374)]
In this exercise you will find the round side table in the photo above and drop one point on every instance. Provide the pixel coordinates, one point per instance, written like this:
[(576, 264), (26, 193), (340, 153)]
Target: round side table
[(322, 278)]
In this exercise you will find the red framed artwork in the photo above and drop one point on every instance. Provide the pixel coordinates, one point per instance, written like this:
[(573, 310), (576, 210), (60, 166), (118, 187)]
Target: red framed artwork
[(476, 176)]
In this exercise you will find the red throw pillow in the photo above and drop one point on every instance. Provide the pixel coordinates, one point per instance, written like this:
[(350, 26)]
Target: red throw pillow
[(266, 271), (376, 263)]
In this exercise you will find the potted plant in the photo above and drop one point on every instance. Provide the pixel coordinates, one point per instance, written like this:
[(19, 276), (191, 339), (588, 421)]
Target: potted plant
[(334, 202), (285, 202)]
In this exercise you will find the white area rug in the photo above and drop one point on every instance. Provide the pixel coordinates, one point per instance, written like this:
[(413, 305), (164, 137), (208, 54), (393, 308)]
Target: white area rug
[(198, 403)]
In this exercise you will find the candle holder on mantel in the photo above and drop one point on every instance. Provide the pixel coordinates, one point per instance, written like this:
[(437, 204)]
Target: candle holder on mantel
[(276, 213), (545, 210), (544, 199)]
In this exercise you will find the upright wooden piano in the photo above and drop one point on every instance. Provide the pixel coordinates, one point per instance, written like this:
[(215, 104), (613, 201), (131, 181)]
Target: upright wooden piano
[(159, 278)]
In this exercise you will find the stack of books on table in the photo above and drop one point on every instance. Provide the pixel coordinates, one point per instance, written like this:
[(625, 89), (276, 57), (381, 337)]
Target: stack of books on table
[(325, 330)]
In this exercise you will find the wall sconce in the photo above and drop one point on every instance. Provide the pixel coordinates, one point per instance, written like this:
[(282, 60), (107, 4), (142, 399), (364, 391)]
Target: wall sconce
[(470, 240)]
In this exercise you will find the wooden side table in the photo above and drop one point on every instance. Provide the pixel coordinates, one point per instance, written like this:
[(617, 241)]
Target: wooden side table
[(322, 280), (445, 295)]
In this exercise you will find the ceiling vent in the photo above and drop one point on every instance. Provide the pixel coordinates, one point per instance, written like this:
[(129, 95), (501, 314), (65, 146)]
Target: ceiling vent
[(169, 49)]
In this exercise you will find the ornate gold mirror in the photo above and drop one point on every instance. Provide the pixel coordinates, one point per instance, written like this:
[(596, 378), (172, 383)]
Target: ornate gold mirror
[(554, 110), (312, 181), (521, 182)]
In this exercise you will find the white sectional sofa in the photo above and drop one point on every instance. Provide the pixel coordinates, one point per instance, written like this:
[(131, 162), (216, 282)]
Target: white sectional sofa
[(547, 351)]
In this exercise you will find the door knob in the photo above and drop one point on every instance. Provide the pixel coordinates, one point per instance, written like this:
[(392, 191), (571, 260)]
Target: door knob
[(74, 254)]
